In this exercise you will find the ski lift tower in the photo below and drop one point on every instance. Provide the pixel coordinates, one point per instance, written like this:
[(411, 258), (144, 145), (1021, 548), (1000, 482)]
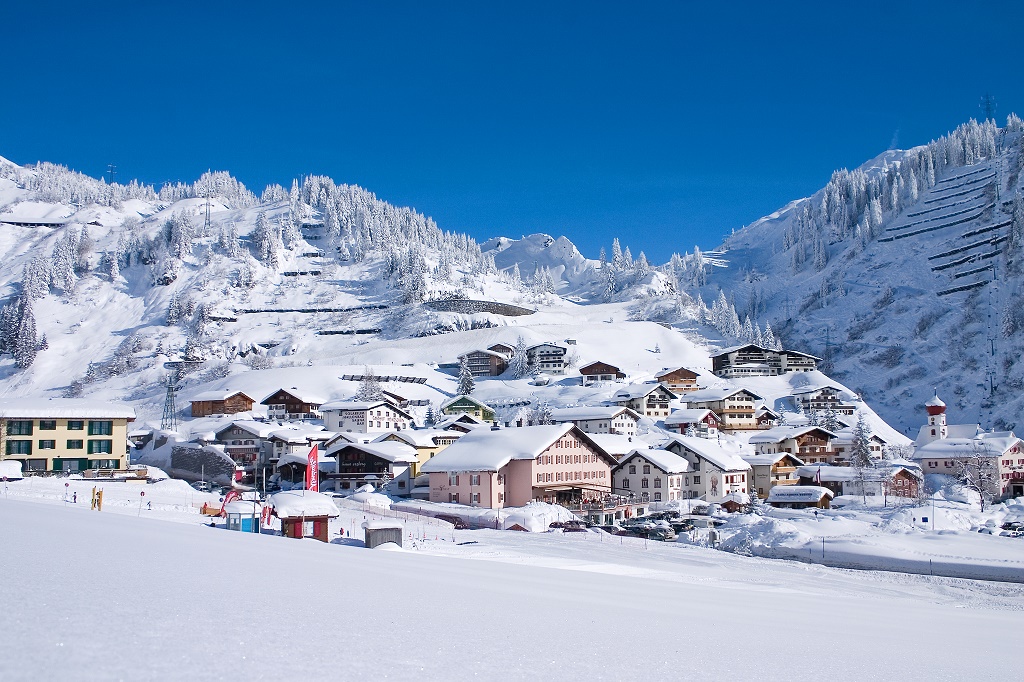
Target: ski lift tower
[(169, 420)]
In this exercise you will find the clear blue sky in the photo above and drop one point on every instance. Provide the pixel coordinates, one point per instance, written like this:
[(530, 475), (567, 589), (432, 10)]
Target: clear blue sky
[(665, 124)]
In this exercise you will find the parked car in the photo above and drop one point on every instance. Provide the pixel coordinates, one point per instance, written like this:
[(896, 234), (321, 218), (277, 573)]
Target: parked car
[(663, 534), (202, 486), (454, 520)]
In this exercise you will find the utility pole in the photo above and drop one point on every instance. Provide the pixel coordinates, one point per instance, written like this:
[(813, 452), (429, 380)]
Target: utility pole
[(112, 170), (988, 105), (992, 335), (206, 227)]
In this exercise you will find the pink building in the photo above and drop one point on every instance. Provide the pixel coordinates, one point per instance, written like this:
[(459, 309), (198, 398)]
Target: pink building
[(510, 467)]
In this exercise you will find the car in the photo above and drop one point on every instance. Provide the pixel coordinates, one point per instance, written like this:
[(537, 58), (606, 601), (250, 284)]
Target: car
[(454, 520), (663, 534), (203, 486)]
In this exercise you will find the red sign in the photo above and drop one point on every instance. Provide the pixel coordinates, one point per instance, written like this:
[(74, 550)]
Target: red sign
[(313, 470)]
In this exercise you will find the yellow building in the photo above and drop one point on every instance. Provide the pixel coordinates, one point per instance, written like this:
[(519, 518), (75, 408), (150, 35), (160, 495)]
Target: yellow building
[(65, 435), (427, 442)]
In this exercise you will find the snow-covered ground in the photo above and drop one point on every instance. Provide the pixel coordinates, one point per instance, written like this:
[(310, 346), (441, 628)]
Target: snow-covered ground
[(144, 599)]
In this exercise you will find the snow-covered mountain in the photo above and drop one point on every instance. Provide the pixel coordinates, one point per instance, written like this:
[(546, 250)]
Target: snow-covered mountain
[(904, 274)]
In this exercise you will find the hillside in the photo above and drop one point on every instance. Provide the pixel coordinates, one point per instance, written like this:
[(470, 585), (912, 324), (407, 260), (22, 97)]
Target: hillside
[(903, 274)]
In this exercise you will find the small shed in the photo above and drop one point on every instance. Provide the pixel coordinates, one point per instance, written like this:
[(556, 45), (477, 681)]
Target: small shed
[(243, 515), (800, 496), (303, 513), (381, 532)]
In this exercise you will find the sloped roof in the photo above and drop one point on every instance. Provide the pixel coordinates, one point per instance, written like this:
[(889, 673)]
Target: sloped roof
[(299, 394), (634, 391), (617, 444), (64, 408), (710, 394), (770, 459), (672, 370), (567, 414), (389, 451), (291, 504), (777, 434), (669, 462), (258, 429), (491, 449), (616, 370), (714, 453), (984, 444), (470, 398), (688, 416), (420, 438), (220, 394)]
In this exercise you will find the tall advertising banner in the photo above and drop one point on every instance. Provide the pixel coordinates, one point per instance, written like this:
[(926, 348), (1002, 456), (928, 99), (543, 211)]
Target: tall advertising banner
[(313, 470)]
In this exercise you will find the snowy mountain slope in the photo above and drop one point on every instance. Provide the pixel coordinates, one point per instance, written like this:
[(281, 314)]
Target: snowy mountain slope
[(888, 275)]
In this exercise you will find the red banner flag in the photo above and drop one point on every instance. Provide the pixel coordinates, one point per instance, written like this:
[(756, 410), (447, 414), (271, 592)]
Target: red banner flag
[(230, 497), (313, 470)]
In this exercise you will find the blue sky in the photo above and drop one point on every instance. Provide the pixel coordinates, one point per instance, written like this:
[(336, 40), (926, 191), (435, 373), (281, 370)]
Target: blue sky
[(665, 124)]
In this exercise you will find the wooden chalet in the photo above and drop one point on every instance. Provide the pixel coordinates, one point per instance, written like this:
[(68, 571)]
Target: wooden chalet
[(464, 404), (485, 363), (753, 360), (678, 379), (221, 402), (600, 371), (291, 403)]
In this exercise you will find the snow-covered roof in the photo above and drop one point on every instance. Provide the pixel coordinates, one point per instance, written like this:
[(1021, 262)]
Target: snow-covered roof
[(689, 415), (672, 370), (470, 398), (354, 405), (388, 450), (244, 507), (299, 394), (323, 462), (490, 450), (419, 438), (798, 493), (733, 349), (64, 408), (935, 402), (634, 391), (568, 414), (712, 394), (485, 351), (461, 418), (220, 394), (617, 444), (814, 388), (777, 434), (258, 429), (293, 504), (984, 444), (769, 459), (385, 524), (713, 452), (669, 462)]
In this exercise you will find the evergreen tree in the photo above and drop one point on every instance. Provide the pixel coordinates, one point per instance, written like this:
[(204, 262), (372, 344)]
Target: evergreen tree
[(369, 388), (431, 418), (830, 421), (519, 364), (641, 268), (26, 342), (860, 452), (466, 381)]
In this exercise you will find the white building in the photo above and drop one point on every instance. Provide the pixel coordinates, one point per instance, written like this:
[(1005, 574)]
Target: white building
[(615, 420), (375, 416), (715, 472), (650, 475), (547, 358), (736, 407), (648, 400)]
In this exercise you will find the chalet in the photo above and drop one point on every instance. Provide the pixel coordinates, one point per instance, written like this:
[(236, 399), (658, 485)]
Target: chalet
[(651, 475), (823, 398), (715, 472), (464, 404), (678, 379), (694, 422), (800, 497), (506, 351), (736, 407), (426, 442), (291, 466), (461, 422), (812, 444), (291, 403), (940, 448), (388, 462), (600, 371), (616, 420), (770, 470), (547, 358), (875, 481), (842, 445), (647, 400), (295, 441), (373, 416), (484, 363), (510, 467), (244, 441), (225, 401), (65, 434), (303, 513), (765, 417), (753, 360)]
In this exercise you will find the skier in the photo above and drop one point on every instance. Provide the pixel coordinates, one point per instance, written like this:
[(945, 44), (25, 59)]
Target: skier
[(74, 497)]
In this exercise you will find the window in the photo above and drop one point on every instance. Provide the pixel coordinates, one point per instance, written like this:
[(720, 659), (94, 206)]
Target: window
[(98, 446), (34, 465), (19, 447), (657, 497), (101, 428), (501, 479), (47, 424), (625, 483), (453, 479), (453, 497), (76, 425), (476, 498), (657, 482), (696, 480), (19, 428), (474, 479), (644, 483), (632, 468), (540, 478), (647, 468), (76, 444), (103, 463), (47, 445), (501, 497)]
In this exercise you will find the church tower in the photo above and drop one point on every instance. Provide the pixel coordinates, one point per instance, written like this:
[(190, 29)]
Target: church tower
[(936, 427)]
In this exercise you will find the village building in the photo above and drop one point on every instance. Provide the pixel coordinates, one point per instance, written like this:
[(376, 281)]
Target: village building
[(618, 445), (647, 400), (735, 407), (244, 441), (700, 422), (650, 475), (503, 349), (225, 401), (547, 358), (426, 442), (765, 417), (379, 463), (770, 470), (940, 448), (290, 403), (842, 446), (65, 434), (800, 497), (462, 422), (291, 467), (373, 416), (303, 513), (753, 360), (465, 404), (616, 420), (811, 444), (510, 467), (874, 481), (678, 379), (484, 363), (600, 371), (715, 472), (823, 398)]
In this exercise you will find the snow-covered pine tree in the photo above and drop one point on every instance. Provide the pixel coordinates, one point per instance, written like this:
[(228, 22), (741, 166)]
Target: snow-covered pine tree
[(369, 387), (830, 420), (519, 364), (84, 250), (860, 451), (466, 382), (26, 342), (431, 417), (641, 268)]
